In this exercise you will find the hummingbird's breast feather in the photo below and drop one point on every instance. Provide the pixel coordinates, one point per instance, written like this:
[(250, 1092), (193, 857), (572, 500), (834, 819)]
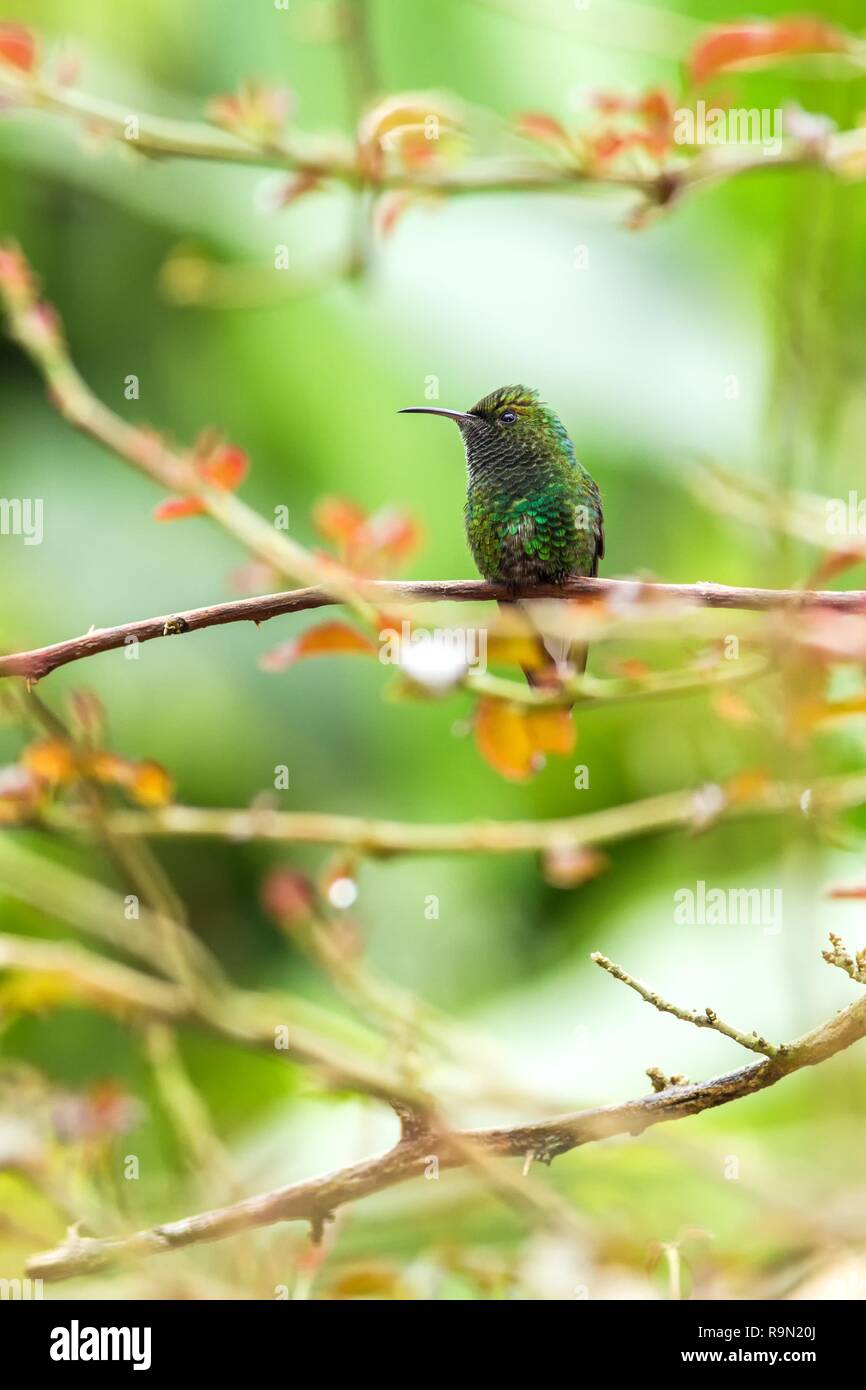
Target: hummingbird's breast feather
[(531, 539)]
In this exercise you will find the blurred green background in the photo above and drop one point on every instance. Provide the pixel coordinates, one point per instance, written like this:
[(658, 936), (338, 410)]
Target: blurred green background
[(757, 281)]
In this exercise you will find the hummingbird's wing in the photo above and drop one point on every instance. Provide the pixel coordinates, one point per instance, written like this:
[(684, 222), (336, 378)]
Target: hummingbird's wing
[(549, 617), (598, 528)]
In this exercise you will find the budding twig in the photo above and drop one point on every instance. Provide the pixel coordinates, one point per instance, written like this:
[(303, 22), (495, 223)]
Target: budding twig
[(340, 160), (855, 966), (708, 1018)]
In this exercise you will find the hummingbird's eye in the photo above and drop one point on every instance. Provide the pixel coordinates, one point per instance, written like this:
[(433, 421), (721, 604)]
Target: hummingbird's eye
[(508, 417)]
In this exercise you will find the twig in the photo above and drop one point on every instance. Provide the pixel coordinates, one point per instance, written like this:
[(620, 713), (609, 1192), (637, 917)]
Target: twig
[(351, 1058), (102, 983), (707, 1019), (34, 326), (314, 1199), (338, 159), (42, 660), (839, 955), (696, 809)]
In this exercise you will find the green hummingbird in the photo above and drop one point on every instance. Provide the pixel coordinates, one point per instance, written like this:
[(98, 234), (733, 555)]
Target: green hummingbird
[(533, 512)]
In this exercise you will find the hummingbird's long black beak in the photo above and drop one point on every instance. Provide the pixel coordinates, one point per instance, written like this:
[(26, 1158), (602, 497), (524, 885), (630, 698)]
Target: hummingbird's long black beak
[(435, 410)]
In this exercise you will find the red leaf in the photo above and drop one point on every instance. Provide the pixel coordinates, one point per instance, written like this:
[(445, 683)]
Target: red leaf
[(226, 467), (391, 207), (539, 126), (288, 896), (367, 544), (513, 739), (731, 45), (325, 640), (173, 508), (337, 519), (17, 47)]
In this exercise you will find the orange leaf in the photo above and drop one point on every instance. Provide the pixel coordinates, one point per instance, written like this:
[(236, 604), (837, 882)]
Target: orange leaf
[(551, 730), (746, 787), (632, 668), (36, 992), (514, 650), (731, 45), (503, 741), (51, 759), (225, 468), (391, 207), (834, 563), (288, 896), (731, 707), (810, 714), (337, 519), (17, 47), (366, 543), (389, 535), (512, 739), (16, 276), (102, 766), (537, 125), (325, 640), (173, 508), (149, 784), (382, 125), (257, 109)]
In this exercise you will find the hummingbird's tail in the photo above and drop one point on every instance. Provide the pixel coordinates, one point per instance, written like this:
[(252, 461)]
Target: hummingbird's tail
[(559, 656)]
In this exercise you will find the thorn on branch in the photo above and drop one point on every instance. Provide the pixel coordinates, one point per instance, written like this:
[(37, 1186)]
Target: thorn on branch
[(318, 1221)]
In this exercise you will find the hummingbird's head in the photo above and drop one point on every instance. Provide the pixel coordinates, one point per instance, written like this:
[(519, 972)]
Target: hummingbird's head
[(510, 421)]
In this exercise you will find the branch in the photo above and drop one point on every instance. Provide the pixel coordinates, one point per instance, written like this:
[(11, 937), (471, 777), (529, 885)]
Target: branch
[(42, 660), (753, 1042), (104, 983), (34, 325), (316, 1199), (839, 955), (348, 1057), (694, 809), (342, 160)]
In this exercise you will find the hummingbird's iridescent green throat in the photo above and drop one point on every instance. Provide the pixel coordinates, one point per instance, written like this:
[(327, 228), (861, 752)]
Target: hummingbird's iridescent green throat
[(533, 513)]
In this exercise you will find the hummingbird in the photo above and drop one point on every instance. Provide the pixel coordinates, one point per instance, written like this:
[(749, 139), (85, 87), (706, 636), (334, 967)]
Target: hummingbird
[(533, 512)]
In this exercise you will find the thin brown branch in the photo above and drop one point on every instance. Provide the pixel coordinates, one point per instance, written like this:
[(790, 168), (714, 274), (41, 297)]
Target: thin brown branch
[(34, 325), (708, 1018), (42, 660), (315, 1199)]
